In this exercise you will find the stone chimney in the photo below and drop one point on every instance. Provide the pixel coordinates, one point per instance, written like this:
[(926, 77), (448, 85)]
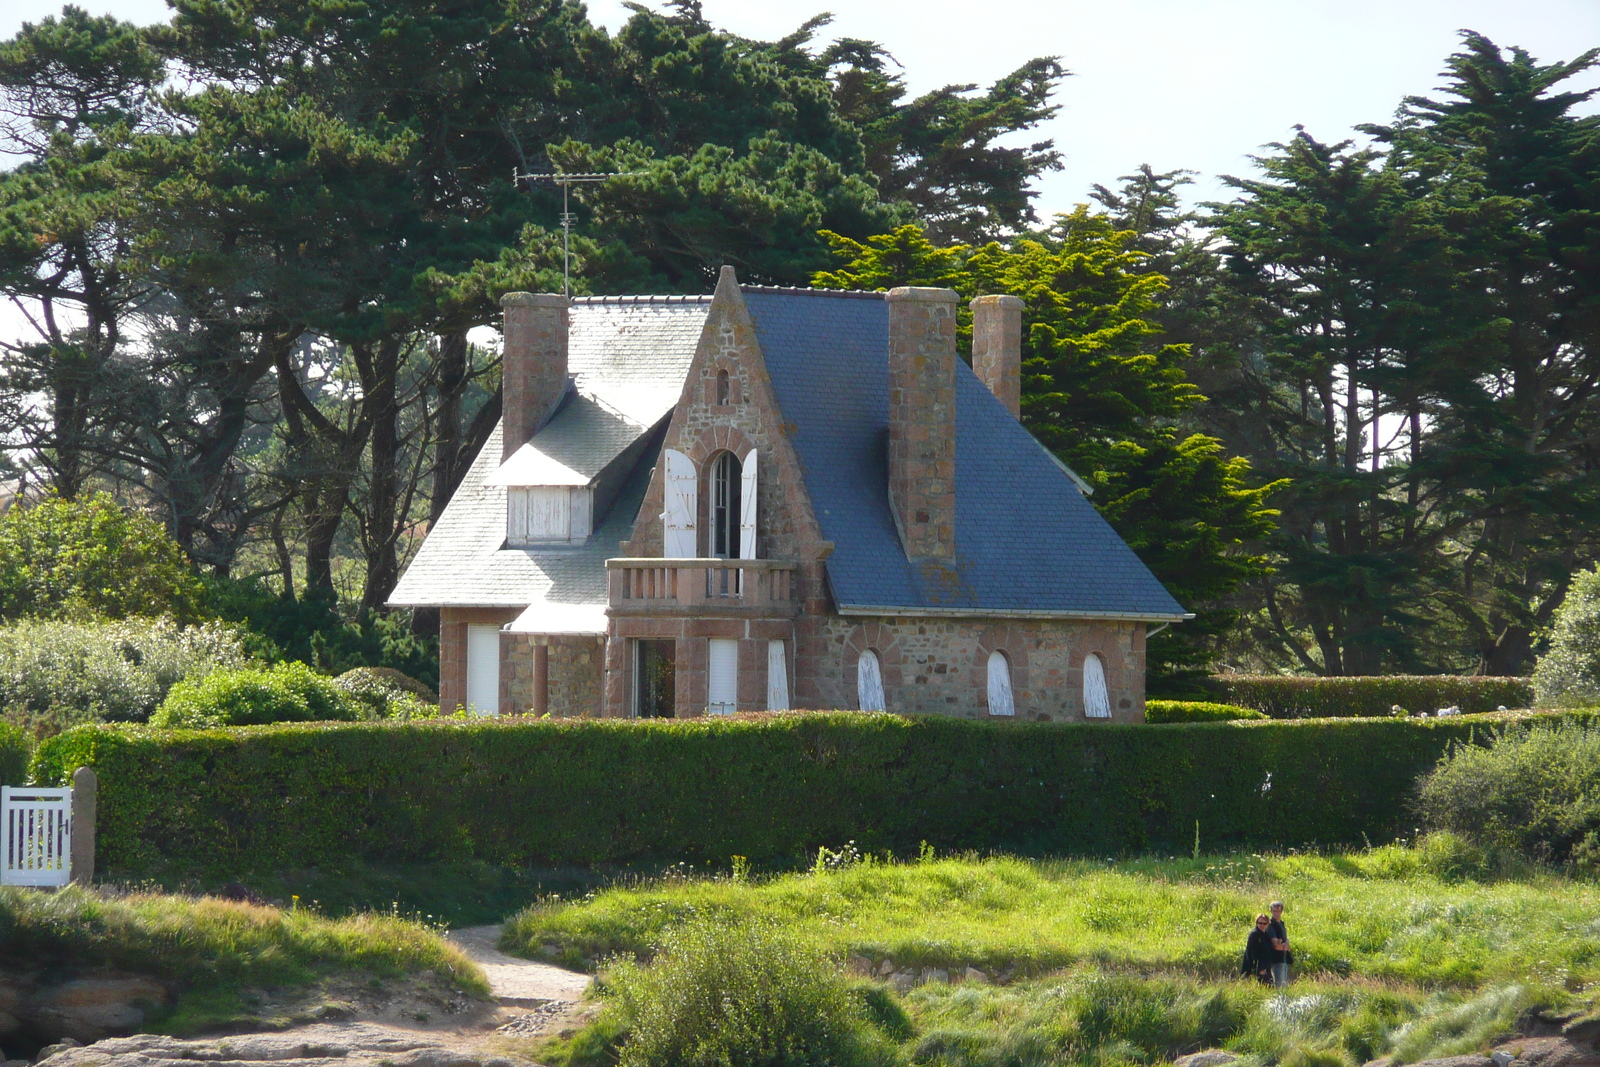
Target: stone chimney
[(535, 368), (922, 420), (997, 348)]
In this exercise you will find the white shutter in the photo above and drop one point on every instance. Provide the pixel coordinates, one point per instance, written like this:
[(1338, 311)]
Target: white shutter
[(869, 682), (677, 531), (747, 507), (517, 516), (582, 513), (549, 513), (1000, 702), (777, 677), (722, 677), (483, 669), (1096, 701)]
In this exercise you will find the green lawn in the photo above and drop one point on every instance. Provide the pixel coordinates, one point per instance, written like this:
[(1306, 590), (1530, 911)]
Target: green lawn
[(1135, 962)]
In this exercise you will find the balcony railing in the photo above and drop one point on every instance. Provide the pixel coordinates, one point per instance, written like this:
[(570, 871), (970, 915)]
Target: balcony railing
[(646, 586)]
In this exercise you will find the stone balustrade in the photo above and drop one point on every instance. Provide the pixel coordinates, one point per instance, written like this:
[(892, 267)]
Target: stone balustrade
[(706, 587)]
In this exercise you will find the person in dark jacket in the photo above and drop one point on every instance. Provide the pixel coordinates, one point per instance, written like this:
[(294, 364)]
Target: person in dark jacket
[(1258, 952)]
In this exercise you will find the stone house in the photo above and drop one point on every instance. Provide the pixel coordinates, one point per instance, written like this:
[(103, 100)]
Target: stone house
[(777, 498)]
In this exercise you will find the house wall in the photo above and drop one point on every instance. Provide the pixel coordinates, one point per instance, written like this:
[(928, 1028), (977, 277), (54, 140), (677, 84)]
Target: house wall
[(693, 636), (940, 666), (575, 672), (453, 624)]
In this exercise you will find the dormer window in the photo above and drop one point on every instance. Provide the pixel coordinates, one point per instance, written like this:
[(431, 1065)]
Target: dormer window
[(546, 514)]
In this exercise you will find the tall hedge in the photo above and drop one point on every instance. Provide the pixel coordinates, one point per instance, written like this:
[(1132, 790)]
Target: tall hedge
[(598, 792), (13, 754), (1369, 697)]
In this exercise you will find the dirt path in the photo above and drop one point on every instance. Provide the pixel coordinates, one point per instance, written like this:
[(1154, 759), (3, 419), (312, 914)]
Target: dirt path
[(518, 982)]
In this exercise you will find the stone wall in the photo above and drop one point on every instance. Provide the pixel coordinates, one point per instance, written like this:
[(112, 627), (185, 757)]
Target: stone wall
[(922, 420), (940, 666), (575, 679)]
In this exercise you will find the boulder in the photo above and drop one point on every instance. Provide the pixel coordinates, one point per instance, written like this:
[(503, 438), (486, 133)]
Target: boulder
[(1213, 1057), (972, 974), (858, 965), (88, 1009)]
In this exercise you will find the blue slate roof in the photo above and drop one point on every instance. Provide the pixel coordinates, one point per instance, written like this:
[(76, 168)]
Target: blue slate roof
[(1026, 539)]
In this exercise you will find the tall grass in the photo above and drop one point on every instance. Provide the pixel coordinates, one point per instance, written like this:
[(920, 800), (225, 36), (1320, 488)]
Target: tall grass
[(1408, 952), (1392, 914), (204, 939)]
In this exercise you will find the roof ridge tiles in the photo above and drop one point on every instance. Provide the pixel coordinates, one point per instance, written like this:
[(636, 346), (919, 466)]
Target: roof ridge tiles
[(855, 294), (669, 298)]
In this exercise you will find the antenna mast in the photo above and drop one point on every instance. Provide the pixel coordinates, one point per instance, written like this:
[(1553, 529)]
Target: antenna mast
[(566, 181)]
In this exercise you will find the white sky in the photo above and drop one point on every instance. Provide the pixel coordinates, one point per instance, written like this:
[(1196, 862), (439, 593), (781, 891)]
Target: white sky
[(1175, 83)]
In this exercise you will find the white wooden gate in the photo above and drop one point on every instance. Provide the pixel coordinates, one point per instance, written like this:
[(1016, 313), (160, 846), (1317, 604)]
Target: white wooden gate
[(35, 836)]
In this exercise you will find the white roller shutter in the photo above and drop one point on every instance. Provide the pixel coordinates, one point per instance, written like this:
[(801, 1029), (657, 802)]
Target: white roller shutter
[(777, 677), (1096, 701), (722, 677), (747, 507), (678, 532), (483, 669)]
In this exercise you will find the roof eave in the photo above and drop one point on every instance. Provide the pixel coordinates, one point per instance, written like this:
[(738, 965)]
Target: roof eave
[(915, 610)]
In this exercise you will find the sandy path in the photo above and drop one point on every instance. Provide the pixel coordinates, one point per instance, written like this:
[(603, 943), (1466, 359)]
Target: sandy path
[(518, 982)]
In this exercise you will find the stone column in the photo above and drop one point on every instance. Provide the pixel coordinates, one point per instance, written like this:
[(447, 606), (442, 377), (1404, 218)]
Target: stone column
[(85, 804), (535, 369), (541, 679), (922, 420), (997, 348)]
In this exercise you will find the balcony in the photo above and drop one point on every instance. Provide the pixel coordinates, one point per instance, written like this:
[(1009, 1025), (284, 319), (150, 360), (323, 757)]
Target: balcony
[(705, 587)]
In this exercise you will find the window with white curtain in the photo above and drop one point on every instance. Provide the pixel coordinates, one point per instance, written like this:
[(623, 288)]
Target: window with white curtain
[(1096, 701), (869, 682), (1000, 702)]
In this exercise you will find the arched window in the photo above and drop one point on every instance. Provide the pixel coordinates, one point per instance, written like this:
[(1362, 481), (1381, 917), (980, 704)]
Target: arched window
[(869, 682), (1096, 701), (722, 387), (1000, 702), (725, 471)]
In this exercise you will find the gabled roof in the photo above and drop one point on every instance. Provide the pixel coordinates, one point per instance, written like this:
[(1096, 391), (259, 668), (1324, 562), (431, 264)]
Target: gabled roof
[(1027, 542), (628, 357)]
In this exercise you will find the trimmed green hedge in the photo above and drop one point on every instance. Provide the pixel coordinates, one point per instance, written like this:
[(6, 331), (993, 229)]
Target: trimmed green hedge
[(1369, 697), (1169, 711), (605, 792), (13, 754)]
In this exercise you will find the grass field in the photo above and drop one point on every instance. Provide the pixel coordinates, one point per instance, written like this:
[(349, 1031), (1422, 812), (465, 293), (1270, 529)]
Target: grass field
[(1404, 951)]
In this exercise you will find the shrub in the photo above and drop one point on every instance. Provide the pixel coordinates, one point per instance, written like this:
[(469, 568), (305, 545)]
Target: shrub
[(719, 994), (63, 558), (1535, 792), (1568, 675), (572, 793), (1162, 711), (1369, 697), (254, 696), (60, 673), (310, 629), (14, 753), (388, 694)]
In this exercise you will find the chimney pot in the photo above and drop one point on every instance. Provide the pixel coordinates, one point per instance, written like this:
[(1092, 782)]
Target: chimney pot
[(997, 348), (922, 419), (534, 371)]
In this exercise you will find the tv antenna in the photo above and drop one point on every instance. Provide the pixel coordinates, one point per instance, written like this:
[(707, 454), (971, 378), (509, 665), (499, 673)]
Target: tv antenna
[(567, 181)]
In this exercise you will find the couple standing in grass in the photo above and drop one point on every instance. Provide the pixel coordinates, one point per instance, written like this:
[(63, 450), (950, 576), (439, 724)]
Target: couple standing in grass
[(1266, 952)]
